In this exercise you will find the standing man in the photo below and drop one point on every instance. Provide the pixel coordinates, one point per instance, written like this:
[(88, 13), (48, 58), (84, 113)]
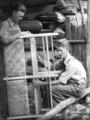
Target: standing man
[(10, 30), (14, 61)]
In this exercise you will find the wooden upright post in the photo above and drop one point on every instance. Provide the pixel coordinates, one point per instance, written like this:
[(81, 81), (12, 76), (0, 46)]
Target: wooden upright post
[(3, 93), (88, 44), (35, 71)]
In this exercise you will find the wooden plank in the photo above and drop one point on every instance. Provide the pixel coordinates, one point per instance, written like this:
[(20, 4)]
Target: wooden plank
[(14, 58), (77, 41), (44, 51), (49, 80), (24, 117), (44, 75), (88, 44), (30, 117), (35, 71), (39, 35), (52, 46)]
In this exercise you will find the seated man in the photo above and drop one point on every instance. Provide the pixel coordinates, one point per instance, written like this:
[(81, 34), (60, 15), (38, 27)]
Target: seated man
[(72, 81)]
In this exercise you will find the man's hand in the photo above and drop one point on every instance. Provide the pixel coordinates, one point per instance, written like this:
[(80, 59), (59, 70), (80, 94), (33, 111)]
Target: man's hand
[(24, 33), (42, 62)]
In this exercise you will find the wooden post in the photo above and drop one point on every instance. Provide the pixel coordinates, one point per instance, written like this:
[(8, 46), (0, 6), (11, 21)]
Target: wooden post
[(88, 44), (68, 28), (3, 93), (14, 58), (35, 71), (48, 62)]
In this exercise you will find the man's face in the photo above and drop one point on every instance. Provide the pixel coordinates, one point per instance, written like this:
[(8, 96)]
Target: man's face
[(61, 53), (18, 15)]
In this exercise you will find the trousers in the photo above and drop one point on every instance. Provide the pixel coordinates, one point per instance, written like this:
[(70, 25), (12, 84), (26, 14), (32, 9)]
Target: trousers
[(61, 92)]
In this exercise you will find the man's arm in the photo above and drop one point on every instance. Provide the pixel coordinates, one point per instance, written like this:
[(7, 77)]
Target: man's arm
[(67, 74), (8, 38), (5, 35), (41, 60)]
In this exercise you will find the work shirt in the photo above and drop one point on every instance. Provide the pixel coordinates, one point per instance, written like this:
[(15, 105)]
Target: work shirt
[(8, 29), (74, 71)]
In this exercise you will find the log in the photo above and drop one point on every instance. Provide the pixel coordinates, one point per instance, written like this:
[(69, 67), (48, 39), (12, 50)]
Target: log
[(58, 108)]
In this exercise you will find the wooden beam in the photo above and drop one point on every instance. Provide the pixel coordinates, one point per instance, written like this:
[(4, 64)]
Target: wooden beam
[(29, 35), (47, 75), (88, 44), (24, 117), (77, 41)]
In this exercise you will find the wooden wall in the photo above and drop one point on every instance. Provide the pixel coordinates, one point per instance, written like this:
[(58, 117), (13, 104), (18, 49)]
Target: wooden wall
[(75, 33)]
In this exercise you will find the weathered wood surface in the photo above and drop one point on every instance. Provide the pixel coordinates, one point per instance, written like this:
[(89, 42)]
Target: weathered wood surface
[(88, 44), (3, 94), (75, 33), (37, 97), (39, 75), (14, 58)]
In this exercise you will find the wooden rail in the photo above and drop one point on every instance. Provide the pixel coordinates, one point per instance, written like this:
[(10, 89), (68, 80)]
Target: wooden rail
[(31, 77), (29, 35)]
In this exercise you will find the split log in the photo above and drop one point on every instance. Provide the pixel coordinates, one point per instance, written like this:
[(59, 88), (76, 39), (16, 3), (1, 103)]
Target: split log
[(58, 108)]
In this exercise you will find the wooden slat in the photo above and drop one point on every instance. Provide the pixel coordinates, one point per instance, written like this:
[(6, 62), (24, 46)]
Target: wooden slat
[(45, 75), (88, 44), (38, 35), (44, 52), (30, 117), (49, 80), (35, 71), (24, 117), (77, 41), (52, 45)]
